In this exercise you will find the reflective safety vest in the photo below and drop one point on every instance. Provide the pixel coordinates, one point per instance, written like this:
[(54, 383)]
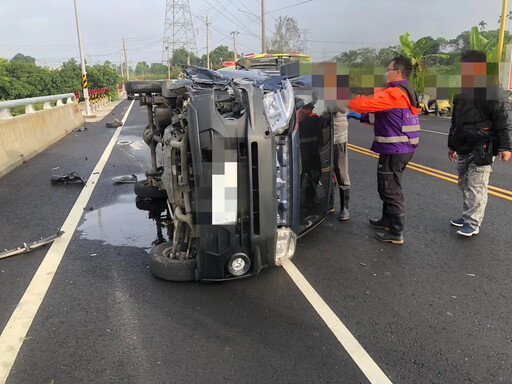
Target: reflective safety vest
[(395, 119)]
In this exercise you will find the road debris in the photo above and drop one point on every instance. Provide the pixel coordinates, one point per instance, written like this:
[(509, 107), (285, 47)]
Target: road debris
[(363, 264), (470, 274), (69, 178), (80, 129), (30, 246), (116, 123), (126, 179)]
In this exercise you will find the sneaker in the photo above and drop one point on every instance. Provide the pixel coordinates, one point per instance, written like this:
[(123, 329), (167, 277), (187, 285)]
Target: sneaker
[(457, 222), (467, 230)]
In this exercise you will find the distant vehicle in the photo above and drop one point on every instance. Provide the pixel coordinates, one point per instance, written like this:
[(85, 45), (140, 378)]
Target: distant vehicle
[(438, 107), (242, 175)]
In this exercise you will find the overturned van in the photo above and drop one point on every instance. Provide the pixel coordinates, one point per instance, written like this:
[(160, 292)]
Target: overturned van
[(245, 172)]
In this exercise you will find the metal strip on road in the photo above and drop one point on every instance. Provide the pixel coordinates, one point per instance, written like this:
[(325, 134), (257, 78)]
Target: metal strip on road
[(363, 360), (15, 331), (495, 191)]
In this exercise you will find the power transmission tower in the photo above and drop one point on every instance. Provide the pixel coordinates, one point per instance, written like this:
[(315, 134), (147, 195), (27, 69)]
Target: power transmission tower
[(178, 29)]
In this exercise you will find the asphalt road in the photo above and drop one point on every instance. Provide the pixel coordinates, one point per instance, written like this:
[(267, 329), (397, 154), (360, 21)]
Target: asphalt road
[(435, 310)]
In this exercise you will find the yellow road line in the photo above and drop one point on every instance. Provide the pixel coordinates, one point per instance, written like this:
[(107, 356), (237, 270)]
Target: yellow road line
[(495, 191)]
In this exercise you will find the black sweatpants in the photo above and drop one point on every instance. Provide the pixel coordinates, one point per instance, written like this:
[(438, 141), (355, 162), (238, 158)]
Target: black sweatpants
[(389, 182)]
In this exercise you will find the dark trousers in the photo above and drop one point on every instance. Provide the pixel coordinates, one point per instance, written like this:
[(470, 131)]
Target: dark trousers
[(389, 181)]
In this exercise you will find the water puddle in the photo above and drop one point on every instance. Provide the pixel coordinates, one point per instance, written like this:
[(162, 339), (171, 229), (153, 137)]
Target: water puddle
[(128, 222)]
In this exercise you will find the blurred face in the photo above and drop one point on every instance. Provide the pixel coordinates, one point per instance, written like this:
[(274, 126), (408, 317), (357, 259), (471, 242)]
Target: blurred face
[(474, 75), (393, 74)]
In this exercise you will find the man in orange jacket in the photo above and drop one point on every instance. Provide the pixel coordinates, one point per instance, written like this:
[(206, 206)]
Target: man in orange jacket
[(394, 114)]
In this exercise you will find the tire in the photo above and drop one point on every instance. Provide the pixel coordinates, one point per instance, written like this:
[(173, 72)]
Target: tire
[(143, 189), (170, 269), (150, 205), (143, 86)]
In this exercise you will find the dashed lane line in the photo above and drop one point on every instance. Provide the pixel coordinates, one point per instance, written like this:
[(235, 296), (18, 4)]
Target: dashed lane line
[(15, 331), (437, 132), (363, 360)]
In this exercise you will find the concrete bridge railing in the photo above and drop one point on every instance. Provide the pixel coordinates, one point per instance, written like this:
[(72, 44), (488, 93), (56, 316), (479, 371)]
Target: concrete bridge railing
[(5, 106), (24, 136)]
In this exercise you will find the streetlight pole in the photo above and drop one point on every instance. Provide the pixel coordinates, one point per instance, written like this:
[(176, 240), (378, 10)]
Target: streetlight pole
[(84, 73), (263, 38), (207, 41)]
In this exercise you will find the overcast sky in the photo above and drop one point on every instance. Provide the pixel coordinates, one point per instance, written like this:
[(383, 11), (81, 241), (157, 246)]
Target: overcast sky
[(46, 29)]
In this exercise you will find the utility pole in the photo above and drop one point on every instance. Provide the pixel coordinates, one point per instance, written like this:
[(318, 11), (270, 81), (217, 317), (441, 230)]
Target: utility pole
[(263, 38), (305, 32), (126, 60), (207, 41), (234, 33), (121, 62), (502, 29), (84, 73)]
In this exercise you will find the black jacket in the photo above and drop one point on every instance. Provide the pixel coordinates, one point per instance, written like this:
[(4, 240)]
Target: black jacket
[(481, 119)]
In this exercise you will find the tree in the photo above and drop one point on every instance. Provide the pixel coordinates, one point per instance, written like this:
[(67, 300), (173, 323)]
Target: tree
[(68, 78), (385, 55), (417, 53), (4, 79), (21, 57), (482, 25), (142, 69), (218, 56), (182, 57), (363, 57), (509, 17), (103, 76), (286, 37)]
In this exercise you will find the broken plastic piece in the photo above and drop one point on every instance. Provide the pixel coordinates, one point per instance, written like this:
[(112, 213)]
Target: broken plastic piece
[(116, 123), (29, 247), (126, 179), (69, 178)]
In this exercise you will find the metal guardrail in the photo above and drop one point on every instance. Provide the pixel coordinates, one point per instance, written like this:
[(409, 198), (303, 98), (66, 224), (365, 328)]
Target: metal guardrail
[(5, 106)]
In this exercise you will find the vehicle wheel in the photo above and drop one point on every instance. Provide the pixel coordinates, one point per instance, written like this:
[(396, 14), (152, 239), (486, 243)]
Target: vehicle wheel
[(143, 189), (165, 268), (143, 86), (151, 205)]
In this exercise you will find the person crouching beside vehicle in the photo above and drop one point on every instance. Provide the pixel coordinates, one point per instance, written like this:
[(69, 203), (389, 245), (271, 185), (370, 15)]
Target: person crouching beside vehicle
[(394, 115), (481, 129)]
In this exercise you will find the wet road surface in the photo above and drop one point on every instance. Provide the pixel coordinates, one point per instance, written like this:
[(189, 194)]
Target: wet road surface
[(435, 310)]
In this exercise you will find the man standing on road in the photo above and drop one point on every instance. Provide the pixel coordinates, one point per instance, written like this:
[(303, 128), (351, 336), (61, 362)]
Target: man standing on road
[(341, 160), (394, 114), (481, 129)]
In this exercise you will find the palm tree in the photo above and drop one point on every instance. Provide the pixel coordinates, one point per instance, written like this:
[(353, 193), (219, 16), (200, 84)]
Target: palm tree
[(415, 51), (482, 25)]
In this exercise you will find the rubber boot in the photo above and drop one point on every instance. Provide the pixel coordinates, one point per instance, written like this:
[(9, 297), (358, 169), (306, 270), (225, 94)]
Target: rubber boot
[(396, 230), (344, 199), (383, 222)]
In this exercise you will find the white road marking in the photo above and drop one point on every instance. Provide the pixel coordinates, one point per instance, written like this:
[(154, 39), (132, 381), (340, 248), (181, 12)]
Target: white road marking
[(439, 133), (363, 360), (15, 331)]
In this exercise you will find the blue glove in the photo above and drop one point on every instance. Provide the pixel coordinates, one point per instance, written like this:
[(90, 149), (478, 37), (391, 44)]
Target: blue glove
[(353, 115)]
